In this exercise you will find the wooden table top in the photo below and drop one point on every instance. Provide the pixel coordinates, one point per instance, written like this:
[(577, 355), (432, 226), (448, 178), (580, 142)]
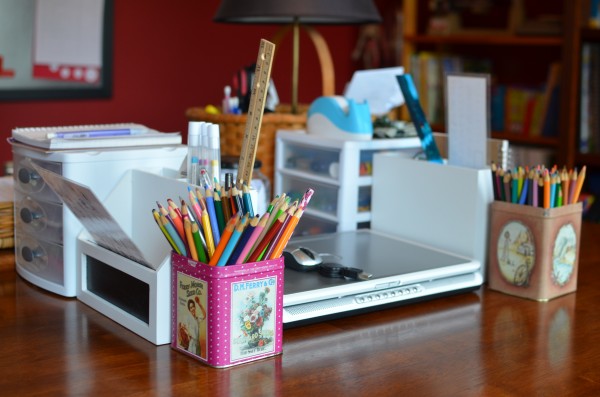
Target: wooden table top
[(475, 344)]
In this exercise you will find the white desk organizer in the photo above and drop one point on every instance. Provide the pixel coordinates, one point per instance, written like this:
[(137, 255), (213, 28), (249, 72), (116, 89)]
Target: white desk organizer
[(45, 239), (128, 292), (443, 206)]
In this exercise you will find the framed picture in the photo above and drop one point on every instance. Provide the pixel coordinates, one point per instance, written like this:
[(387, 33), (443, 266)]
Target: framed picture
[(55, 49)]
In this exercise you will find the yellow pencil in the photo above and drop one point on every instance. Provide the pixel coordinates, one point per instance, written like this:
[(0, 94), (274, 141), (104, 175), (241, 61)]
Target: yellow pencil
[(210, 243)]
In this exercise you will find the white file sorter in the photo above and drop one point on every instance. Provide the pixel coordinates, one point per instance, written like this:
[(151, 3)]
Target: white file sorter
[(443, 206), (46, 231), (123, 259), (134, 295)]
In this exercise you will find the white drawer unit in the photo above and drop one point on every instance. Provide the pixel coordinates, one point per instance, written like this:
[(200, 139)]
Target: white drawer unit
[(340, 171), (45, 230)]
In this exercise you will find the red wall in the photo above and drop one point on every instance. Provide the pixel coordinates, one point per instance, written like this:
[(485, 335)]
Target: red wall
[(169, 56)]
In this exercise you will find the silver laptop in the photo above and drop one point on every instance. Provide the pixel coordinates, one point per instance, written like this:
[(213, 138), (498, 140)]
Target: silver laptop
[(384, 271)]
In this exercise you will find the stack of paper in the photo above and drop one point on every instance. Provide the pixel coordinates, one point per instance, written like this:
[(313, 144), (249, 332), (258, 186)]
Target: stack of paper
[(94, 136)]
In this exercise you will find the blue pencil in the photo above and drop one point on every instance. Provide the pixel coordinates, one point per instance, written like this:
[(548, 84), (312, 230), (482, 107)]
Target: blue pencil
[(247, 201), (174, 235), (243, 240), (212, 216), (524, 191), (552, 192)]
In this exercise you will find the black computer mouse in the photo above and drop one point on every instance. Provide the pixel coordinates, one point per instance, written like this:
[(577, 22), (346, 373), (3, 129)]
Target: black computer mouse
[(302, 259)]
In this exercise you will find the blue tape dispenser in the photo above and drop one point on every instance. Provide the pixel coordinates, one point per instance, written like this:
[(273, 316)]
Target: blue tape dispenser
[(339, 117)]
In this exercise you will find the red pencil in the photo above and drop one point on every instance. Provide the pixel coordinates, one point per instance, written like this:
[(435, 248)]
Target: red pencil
[(262, 244)]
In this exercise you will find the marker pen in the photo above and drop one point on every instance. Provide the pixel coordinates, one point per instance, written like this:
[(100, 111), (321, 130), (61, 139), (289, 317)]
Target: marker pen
[(193, 141), (203, 156), (214, 153)]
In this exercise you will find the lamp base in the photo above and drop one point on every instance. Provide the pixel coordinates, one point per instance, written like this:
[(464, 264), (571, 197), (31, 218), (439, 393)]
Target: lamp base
[(325, 60)]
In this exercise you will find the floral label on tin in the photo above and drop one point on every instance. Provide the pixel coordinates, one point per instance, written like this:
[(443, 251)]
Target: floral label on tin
[(252, 318)]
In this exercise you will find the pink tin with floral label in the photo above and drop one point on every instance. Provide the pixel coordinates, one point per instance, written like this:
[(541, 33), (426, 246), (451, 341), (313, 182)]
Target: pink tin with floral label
[(227, 315)]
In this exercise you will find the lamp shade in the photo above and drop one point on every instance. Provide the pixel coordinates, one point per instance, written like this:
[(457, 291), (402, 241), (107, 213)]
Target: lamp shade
[(328, 12)]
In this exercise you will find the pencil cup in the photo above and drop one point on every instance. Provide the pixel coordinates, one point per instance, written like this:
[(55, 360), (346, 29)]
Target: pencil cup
[(226, 315), (534, 252)]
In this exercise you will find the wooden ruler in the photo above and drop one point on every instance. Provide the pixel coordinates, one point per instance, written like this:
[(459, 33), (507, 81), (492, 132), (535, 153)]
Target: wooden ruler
[(258, 96)]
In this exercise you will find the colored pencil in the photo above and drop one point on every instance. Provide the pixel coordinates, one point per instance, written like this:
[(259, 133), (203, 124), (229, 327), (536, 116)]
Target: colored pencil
[(252, 239), (524, 191), (210, 242), (199, 243), (248, 208), (162, 228), (288, 217), (546, 189), (226, 205), (241, 244), (233, 240), (579, 185), (237, 197), (287, 234), (187, 225), (212, 214), (507, 186), (174, 235), (219, 211), (194, 203), (262, 244), (572, 186), (177, 222), (227, 232)]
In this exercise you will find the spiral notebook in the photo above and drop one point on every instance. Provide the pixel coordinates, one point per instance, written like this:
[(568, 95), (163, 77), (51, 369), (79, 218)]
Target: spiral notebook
[(94, 136)]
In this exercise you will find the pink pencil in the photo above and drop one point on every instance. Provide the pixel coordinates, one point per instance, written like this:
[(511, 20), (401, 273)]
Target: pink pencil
[(195, 205), (252, 239)]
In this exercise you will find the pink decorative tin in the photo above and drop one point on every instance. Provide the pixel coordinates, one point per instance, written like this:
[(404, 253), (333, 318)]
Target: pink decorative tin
[(227, 315)]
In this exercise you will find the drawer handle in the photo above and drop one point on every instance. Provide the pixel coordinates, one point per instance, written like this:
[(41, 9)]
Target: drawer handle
[(29, 216), (26, 176), (30, 254)]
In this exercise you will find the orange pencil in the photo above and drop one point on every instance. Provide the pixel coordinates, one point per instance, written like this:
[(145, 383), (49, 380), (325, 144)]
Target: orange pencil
[(579, 185), (227, 232), (546, 189), (177, 222), (287, 234), (289, 215)]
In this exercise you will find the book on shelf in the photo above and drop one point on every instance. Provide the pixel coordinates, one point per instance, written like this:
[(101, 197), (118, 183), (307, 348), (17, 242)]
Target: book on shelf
[(528, 111), (589, 122), (550, 103), (428, 70), (94, 136)]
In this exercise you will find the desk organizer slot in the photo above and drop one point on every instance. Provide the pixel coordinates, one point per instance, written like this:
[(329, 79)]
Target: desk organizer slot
[(119, 289)]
